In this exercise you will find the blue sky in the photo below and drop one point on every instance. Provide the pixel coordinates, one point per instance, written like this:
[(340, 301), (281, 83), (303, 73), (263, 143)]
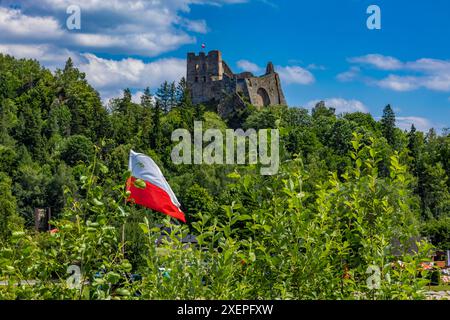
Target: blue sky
[(322, 49)]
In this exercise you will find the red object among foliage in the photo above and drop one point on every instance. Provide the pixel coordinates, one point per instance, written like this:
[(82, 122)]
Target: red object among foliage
[(154, 198), (148, 187)]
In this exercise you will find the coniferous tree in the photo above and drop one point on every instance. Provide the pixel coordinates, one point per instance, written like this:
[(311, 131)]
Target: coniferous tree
[(414, 146), (412, 139), (156, 141), (59, 120), (172, 96), (164, 97), (147, 122), (183, 94), (88, 116), (8, 120), (28, 131), (388, 125), (322, 110), (431, 136), (147, 99), (125, 103)]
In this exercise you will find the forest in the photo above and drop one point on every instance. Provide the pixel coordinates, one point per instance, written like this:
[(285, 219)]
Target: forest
[(336, 222)]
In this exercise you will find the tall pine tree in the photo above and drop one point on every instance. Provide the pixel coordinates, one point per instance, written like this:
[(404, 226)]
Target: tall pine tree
[(183, 94), (414, 147), (163, 96), (156, 137), (388, 124), (147, 122)]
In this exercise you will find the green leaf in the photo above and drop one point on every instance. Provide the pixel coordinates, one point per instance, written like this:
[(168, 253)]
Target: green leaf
[(112, 277), (234, 175), (93, 224), (126, 175), (162, 252), (18, 234), (139, 183), (123, 292), (126, 266), (244, 217), (359, 163), (103, 168), (144, 228), (97, 202), (123, 213)]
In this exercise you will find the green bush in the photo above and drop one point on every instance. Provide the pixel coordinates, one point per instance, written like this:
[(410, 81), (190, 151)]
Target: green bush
[(283, 243), (77, 149)]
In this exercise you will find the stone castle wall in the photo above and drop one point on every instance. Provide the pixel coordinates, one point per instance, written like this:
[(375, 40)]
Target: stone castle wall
[(210, 79), (204, 76)]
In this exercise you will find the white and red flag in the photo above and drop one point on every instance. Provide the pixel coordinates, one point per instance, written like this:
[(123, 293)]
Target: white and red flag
[(156, 194)]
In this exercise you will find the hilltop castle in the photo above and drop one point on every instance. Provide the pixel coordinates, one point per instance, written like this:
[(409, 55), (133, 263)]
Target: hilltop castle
[(210, 79)]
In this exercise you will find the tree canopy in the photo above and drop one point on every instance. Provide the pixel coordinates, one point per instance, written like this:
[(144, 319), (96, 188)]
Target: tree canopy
[(347, 186)]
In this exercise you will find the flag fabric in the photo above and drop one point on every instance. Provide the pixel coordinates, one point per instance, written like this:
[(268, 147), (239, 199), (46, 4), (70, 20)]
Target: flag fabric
[(156, 194)]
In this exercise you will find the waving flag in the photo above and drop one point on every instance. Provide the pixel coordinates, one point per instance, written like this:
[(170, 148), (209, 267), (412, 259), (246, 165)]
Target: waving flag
[(149, 188)]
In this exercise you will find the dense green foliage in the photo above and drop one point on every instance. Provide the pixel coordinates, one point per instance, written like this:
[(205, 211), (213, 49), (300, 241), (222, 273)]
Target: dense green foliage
[(347, 187)]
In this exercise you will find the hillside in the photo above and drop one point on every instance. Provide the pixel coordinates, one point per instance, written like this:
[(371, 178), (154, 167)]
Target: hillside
[(346, 187)]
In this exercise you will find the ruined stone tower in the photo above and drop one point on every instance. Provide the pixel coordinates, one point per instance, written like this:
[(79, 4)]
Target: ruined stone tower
[(209, 79)]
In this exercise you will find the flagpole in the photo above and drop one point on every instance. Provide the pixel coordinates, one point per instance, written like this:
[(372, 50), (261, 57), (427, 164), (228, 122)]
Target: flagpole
[(123, 239), (123, 227)]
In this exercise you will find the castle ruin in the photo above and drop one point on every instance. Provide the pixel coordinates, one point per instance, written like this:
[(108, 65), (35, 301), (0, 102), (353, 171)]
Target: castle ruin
[(210, 80)]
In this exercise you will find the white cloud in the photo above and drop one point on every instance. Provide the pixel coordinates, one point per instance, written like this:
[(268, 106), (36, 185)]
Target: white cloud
[(399, 83), (105, 74), (50, 56), (246, 65), (219, 2), (198, 26), (378, 61), (431, 74), (99, 40), (132, 27), (428, 65), (295, 75), (288, 74), (421, 124), (145, 44), (17, 26), (107, 95), (438, 82), (136, 97), (341, 105), (349, 75), (314, 66)]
